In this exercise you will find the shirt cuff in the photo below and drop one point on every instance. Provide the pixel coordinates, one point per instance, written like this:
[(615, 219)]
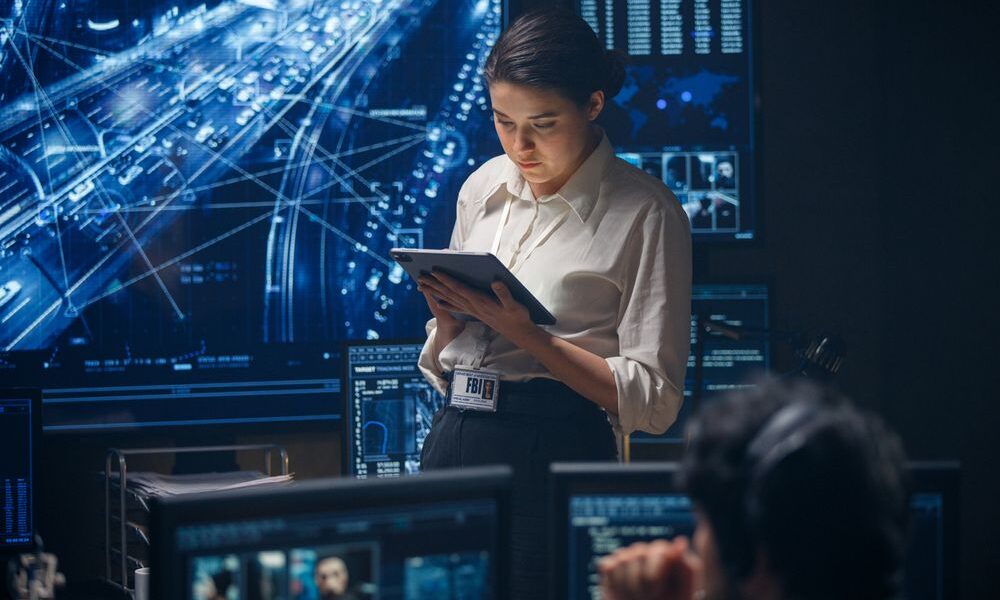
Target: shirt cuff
[(646, 401)]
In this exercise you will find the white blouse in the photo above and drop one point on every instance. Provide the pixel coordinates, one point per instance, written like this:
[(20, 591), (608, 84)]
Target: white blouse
[(609, 255)]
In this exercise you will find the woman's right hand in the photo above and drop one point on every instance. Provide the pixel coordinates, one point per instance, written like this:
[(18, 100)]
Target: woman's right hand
[(448, 327)]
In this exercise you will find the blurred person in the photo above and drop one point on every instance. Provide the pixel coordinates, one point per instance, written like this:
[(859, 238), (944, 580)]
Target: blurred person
[(798, 495), (332, 578)]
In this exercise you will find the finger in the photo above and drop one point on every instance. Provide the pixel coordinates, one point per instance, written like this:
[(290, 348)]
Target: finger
[(613, 581), (437, 303), (431, 284), (448, 280), (657, 565), (451, 308), (503, 295), (457, 289), (442, 293), (680, 577), (632, 573)]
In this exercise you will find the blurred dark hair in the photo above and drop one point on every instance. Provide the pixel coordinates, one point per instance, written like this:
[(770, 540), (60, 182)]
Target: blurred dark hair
[(222, 582), (555, 49), (825, 500)]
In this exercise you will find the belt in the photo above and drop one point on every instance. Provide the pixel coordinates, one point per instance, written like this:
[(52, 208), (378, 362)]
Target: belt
[(540, 397)]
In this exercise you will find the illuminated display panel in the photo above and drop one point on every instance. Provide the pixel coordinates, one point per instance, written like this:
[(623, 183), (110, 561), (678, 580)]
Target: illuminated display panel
[(197, 199), (389, 408), (686, 112)]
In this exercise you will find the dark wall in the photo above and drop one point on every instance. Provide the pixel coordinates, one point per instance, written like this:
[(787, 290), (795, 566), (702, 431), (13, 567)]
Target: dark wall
[(879, 161)]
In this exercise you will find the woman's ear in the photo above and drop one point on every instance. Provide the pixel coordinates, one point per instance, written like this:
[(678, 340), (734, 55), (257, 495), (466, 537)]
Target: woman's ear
[(595, 105)]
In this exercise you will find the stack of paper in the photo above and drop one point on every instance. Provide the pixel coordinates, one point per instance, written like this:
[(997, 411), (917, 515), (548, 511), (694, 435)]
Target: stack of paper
[(147, 484)]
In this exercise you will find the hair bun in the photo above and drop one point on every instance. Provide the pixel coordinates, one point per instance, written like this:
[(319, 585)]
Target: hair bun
[(614, 76)]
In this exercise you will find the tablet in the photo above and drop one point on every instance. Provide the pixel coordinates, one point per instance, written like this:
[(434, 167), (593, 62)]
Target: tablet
[(475, 269)]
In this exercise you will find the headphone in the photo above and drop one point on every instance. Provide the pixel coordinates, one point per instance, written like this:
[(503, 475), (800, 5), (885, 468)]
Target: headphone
[(789, 430)]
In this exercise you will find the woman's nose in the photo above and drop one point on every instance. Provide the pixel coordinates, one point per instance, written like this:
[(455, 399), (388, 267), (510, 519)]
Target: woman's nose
[(523, 142)]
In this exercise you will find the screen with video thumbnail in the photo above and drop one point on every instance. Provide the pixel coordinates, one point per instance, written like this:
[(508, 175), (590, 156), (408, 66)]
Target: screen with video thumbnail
[(726, 363), (198, 198), (686, 112), (375, 556), (18, 420), (388, 409), (434, 544), (599, 508)]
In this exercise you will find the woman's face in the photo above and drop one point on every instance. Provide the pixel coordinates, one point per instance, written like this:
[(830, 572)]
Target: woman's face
[(547, 135)]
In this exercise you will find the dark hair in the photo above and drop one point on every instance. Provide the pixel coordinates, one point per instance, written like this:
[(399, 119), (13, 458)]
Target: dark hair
[(796, 472), (222, 582), (553, 48)]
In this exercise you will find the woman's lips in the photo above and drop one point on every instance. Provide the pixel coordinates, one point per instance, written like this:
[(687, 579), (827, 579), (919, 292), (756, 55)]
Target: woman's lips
[(528, 165)]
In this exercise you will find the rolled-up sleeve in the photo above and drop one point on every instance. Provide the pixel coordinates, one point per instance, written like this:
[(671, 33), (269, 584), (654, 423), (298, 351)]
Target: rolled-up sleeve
[(654, 330), (428, 361)]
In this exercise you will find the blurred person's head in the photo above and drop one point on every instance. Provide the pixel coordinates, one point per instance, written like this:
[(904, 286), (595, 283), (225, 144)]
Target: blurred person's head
[(331, 576), (214, 586), (799, 495)]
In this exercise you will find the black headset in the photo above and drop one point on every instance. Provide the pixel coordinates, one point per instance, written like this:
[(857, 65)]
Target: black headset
[(786, 432)]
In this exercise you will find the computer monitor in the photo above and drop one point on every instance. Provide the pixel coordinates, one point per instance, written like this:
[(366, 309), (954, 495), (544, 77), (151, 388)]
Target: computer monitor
[(20, 429), (932, 553), (435, 535), (597, 508), (686, 112), (388, 407), (197, 200), (727, 364)]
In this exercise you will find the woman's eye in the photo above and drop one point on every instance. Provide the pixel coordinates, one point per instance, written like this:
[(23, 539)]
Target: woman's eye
[(544, 125)]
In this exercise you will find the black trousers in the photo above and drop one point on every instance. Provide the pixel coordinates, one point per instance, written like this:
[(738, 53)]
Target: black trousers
[(537, 422)]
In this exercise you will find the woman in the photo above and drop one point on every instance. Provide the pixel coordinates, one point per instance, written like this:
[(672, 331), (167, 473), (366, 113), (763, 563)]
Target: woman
[(604, 246)]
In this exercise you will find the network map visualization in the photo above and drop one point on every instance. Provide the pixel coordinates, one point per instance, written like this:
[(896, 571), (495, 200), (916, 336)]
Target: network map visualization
[(197, 184)]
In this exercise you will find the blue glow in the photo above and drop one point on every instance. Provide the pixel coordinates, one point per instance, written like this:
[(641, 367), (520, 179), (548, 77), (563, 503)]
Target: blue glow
[(686, 96), (661, 104)]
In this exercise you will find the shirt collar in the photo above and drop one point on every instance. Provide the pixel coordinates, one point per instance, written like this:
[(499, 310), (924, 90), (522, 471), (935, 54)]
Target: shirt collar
[(580, 192)]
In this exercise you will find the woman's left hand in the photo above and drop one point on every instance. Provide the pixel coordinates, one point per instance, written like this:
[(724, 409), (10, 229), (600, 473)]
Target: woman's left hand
[(503, 314)]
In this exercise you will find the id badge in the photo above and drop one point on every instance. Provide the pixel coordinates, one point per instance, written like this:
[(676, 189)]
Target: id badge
[(474, 389)]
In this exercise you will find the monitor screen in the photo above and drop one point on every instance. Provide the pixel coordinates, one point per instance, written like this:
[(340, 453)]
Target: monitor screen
[(599, 508), (197, 199), (686, 112), (932, 554), (388, 409), (19, 418), (433, 536), (727, 364)]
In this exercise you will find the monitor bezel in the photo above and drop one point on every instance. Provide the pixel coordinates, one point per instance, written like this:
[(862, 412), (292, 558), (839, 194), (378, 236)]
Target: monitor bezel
[(322, 495), (567, 479), (35, 397), (197, 433)]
